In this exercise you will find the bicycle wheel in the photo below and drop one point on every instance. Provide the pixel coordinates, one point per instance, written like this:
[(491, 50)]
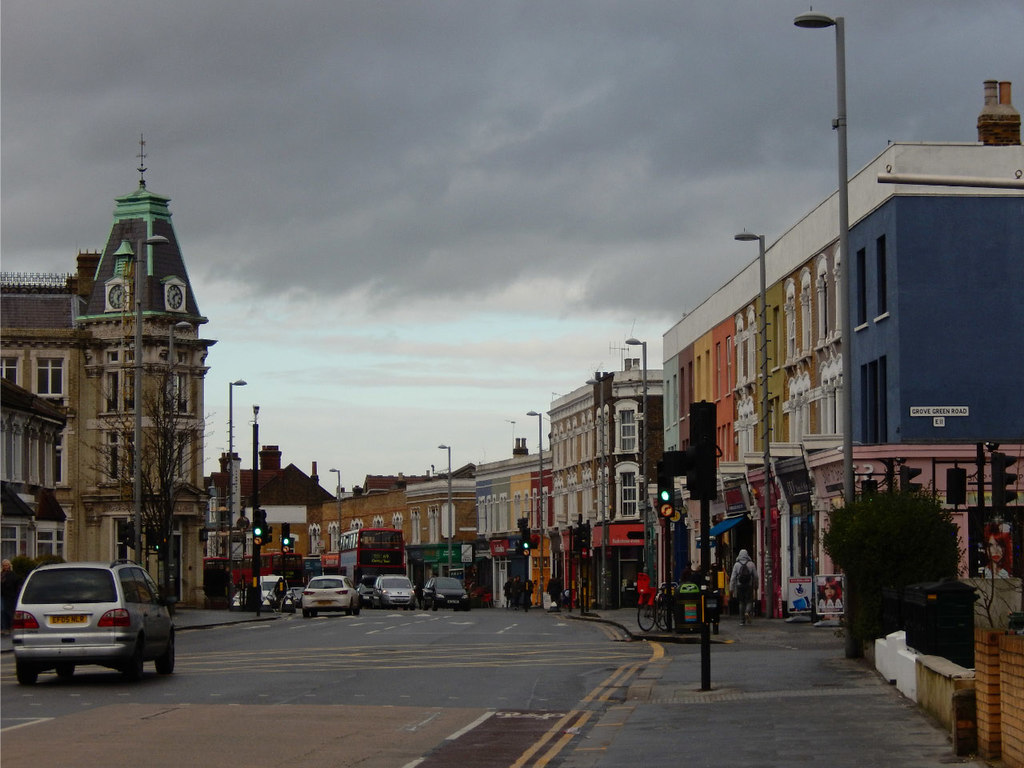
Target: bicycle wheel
[(661, 615), (645, 616)]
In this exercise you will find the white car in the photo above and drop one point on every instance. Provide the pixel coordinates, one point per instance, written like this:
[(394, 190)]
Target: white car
[(330, 593)]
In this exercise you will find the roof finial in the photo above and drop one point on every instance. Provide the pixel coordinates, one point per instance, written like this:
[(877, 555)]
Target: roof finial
[(142, 161)]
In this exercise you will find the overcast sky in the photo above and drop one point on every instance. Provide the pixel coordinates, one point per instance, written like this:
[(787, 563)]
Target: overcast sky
[(409, 223)]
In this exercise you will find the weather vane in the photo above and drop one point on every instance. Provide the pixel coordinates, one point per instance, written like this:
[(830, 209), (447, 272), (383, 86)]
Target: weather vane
[(142, 161)]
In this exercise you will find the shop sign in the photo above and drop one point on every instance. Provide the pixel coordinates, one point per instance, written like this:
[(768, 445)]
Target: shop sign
[(499, 547)]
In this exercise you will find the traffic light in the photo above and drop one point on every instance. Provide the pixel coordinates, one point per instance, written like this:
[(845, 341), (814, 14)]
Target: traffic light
[(524, 536), (1001, 495), (666, 490), (702, 455), (126, 533), (906, 475), (286, 537), (585, 538), (956, 486), (260, 529)]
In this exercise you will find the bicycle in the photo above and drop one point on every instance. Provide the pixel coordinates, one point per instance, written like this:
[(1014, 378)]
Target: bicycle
[(654, 609)]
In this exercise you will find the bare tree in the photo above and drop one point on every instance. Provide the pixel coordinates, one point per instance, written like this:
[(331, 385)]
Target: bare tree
[(171, 444)]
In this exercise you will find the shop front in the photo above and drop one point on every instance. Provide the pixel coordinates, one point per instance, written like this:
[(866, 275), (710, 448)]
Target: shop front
[(623, 559)]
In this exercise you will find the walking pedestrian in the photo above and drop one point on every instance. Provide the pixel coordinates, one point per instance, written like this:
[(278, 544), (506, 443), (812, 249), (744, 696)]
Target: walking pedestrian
[(555, 591), (527, 594), (743, 585), (517, 592), (507, 589)]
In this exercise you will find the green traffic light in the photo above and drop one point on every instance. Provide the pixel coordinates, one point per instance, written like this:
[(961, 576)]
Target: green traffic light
[(666, 495)]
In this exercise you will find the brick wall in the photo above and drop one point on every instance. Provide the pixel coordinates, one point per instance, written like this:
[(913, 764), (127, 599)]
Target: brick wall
[(986, 691), (1011, 688)]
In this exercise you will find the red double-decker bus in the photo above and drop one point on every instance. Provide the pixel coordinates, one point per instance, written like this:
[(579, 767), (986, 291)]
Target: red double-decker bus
[(367, 552)]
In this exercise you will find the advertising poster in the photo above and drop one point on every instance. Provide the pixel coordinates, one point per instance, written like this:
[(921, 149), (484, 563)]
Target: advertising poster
[(829, 595), (800, 599), (998, 551)]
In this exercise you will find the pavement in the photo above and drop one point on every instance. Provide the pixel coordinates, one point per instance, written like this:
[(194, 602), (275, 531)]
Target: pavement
[(781, 694)]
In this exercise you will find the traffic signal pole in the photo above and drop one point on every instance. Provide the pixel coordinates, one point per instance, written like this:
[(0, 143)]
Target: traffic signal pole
[(255, 590)]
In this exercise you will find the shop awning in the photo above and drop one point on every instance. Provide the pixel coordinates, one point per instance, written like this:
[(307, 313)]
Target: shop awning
[(727, 524)]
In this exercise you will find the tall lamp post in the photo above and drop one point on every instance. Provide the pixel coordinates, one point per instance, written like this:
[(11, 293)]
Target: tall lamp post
[(231, 461), (814, 20), (603, 486), (337, 495), (646, 509), (766, 535), (451, 519), (140, 280), (542, 522)]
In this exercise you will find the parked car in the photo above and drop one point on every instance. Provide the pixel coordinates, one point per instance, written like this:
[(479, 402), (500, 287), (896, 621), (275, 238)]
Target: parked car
[(393, 592), (330, 593), (444, 591), (365, 590), (109, 614)]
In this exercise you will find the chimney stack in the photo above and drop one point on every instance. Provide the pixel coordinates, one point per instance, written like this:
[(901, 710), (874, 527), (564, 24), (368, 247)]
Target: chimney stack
[(999, 122), (520, 448)]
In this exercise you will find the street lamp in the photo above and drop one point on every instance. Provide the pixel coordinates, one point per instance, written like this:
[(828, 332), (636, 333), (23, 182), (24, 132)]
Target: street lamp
[(646, 510), (231, 459), (766, 536), (139, 266), (540, 494), (337, 495), (814, 20), (598, 380), (451, 521)]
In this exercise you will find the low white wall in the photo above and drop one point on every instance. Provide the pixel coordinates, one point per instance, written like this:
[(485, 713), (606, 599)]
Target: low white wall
[(897, 663)]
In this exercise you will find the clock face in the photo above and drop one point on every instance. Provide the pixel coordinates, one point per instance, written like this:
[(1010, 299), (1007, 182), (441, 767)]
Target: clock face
[(115, 296), (175, 297)]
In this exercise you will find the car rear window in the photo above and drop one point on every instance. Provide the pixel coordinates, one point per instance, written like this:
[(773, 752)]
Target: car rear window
[(396, 581), (449, 583), (326, 584), (70, 585)]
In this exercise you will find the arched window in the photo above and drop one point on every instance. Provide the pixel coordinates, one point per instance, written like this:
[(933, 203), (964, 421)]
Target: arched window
[(821, 285), (790, 309), (805, 311)]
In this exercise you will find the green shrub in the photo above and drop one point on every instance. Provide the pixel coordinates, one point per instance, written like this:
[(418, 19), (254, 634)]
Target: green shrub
[(889, 540)]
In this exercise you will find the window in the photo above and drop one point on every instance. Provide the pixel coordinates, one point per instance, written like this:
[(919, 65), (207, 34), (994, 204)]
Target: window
[(790, 320), (627, 431), (823, 308), (882, 285), (50, 542), (862, 288), (113, 393), (805, 311), (114, 457), (875, 412), (628, 494), (9, 369), (50, 377)]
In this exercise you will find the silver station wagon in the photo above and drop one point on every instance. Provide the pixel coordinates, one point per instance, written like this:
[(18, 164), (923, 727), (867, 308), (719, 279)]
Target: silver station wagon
[(111, 615)]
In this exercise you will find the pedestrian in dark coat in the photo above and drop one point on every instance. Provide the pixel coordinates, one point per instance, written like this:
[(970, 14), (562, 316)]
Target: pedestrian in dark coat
[(527, 594)]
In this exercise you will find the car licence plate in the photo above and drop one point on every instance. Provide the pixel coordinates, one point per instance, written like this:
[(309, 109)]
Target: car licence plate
[(71, 618), (323, 602)]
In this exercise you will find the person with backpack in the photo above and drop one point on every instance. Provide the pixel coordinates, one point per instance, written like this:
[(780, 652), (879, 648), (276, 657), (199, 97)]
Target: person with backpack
[(743, 584)]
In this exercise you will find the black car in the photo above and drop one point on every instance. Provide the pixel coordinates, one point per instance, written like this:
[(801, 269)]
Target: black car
[(365, 590), (445, 591)]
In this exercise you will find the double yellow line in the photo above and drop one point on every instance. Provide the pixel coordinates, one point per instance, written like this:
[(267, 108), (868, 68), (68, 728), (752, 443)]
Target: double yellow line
[(579, 716)]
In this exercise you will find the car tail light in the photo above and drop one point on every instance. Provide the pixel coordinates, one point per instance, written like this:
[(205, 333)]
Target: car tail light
[(307, 592), (118, 617), (24, 620), (341, 591)]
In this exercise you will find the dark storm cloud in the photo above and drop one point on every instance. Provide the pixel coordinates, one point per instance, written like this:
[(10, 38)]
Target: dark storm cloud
[(419, 150)]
